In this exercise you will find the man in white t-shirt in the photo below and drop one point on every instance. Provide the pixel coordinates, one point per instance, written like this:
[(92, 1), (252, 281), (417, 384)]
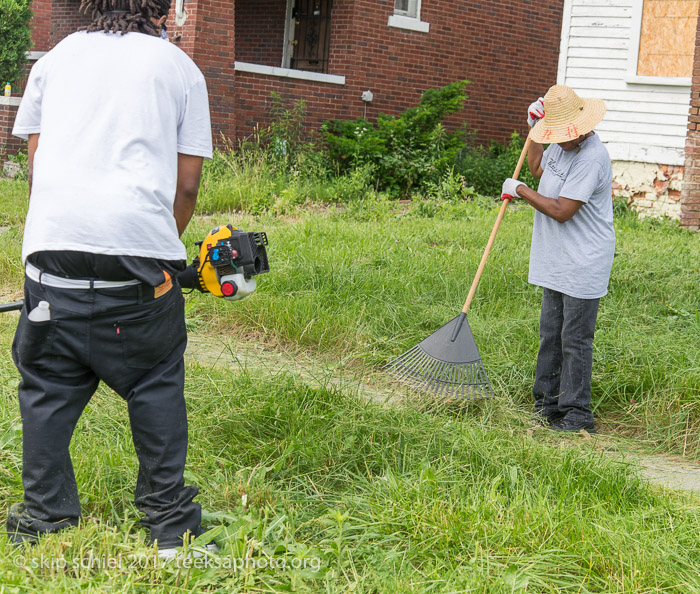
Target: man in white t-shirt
[(118, 126), (573, 243)]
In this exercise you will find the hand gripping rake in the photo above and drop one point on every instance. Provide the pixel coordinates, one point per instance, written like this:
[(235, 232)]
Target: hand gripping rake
[(447, 363)]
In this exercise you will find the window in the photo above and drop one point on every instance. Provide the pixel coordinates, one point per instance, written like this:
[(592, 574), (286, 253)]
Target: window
[(307, 35), (408, 8), (407, 16), (663, 42), (289, 38)]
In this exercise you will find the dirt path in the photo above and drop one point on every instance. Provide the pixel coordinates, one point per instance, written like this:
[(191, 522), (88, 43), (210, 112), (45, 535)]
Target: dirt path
[(262, 362), (671, 473)]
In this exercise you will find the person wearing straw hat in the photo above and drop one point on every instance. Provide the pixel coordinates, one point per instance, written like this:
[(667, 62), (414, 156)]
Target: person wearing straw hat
[(573, 243)]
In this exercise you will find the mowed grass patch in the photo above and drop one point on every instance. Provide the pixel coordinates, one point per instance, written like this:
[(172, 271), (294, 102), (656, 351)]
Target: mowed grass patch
[(369, 497)]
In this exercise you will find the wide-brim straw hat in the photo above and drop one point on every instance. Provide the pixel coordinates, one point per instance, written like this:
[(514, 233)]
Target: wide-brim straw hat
[(566, 116)]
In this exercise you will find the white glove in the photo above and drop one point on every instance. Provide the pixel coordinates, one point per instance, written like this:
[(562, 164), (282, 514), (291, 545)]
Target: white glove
[(535, 112), (510, 189)]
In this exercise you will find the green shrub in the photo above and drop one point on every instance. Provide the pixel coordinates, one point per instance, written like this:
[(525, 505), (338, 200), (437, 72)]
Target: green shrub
[(407, 151), (15, 39), (354, 185), (486, 168), (21, 161), (284, 138), (450, 186)]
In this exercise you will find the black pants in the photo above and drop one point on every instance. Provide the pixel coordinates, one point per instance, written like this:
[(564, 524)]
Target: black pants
[(562, 385), (134, 343)]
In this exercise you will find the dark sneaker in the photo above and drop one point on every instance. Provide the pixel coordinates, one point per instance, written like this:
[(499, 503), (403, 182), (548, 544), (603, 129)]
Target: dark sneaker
[(195, 551), (24, 529), (572, 426), (540, 418)]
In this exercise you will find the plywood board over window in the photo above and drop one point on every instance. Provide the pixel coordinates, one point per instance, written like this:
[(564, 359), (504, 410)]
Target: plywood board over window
[(667, 39)]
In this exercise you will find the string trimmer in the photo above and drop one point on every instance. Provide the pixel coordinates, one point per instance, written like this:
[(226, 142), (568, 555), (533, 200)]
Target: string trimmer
[(228, 260), (447, 363)]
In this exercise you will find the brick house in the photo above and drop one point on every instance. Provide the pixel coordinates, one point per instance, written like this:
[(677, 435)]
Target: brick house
[(330, 52)]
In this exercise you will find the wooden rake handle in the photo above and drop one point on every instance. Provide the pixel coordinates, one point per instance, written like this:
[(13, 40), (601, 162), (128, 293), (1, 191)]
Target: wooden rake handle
[(501, 212), (485, 257)]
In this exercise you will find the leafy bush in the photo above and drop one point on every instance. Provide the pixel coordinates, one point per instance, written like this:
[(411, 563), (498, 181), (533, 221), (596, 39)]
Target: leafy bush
[(20, 165), (407, 151), (354, 185), (15, 39), (450, 186), (487, 168), (284, 138)]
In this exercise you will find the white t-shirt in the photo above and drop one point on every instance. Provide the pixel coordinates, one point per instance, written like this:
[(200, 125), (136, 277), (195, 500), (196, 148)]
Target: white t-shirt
[(113, 111), (575, 257)]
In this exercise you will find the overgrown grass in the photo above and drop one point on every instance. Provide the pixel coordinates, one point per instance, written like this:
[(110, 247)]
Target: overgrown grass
[(368, 290), (415, 496), (375, 498), (364, 282)]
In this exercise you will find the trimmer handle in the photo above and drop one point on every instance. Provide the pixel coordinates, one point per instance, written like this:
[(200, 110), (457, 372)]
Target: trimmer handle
[(11, 306)]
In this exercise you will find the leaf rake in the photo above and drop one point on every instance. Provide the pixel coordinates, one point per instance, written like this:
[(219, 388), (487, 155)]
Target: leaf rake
[(447, 363)]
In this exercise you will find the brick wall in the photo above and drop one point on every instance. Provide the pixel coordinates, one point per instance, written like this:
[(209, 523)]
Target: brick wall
[(508, 51), (690, 195), (65, 19), (41, 24), (214, 51), (8, 144), (260, 31), (253, 100)]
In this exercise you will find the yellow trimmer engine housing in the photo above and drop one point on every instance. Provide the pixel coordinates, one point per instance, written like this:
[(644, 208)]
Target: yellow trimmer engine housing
[(227, 262)]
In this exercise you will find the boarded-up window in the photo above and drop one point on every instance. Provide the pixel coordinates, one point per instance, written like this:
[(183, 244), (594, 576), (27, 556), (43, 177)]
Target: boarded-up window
[(667, 40)]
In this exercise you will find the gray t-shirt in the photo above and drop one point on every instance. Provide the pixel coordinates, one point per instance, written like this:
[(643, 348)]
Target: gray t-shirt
[(575, 257)]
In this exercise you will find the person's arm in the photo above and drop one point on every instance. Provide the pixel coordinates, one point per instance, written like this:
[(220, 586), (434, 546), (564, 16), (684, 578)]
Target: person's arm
[(189, 171), (560, 209), (534, 159), (32, 142)]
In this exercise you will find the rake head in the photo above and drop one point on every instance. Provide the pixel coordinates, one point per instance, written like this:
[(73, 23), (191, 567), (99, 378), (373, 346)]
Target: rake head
[(444, 364)]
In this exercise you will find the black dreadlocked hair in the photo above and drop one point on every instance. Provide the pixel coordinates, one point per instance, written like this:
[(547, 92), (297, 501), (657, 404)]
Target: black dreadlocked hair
[(124, 16)]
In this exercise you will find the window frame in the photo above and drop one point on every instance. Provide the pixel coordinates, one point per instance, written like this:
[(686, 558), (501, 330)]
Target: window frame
[(402, 20), (631, 76), (289, 25), (407, 13)]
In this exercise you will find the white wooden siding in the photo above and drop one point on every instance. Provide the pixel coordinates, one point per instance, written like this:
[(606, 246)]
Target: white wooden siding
[(644, 122)]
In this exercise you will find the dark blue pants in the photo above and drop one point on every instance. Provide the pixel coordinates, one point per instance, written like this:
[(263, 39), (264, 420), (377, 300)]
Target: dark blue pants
[(562, 385), (135, 344)]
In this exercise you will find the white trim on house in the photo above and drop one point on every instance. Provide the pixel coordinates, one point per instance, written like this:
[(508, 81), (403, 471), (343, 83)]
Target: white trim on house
[(646, 119), (404, 22), (35, 55), (564, 43), (412, 9), (10, 100), (409, 19), (334, 79), (287, 47), (633, 57)]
